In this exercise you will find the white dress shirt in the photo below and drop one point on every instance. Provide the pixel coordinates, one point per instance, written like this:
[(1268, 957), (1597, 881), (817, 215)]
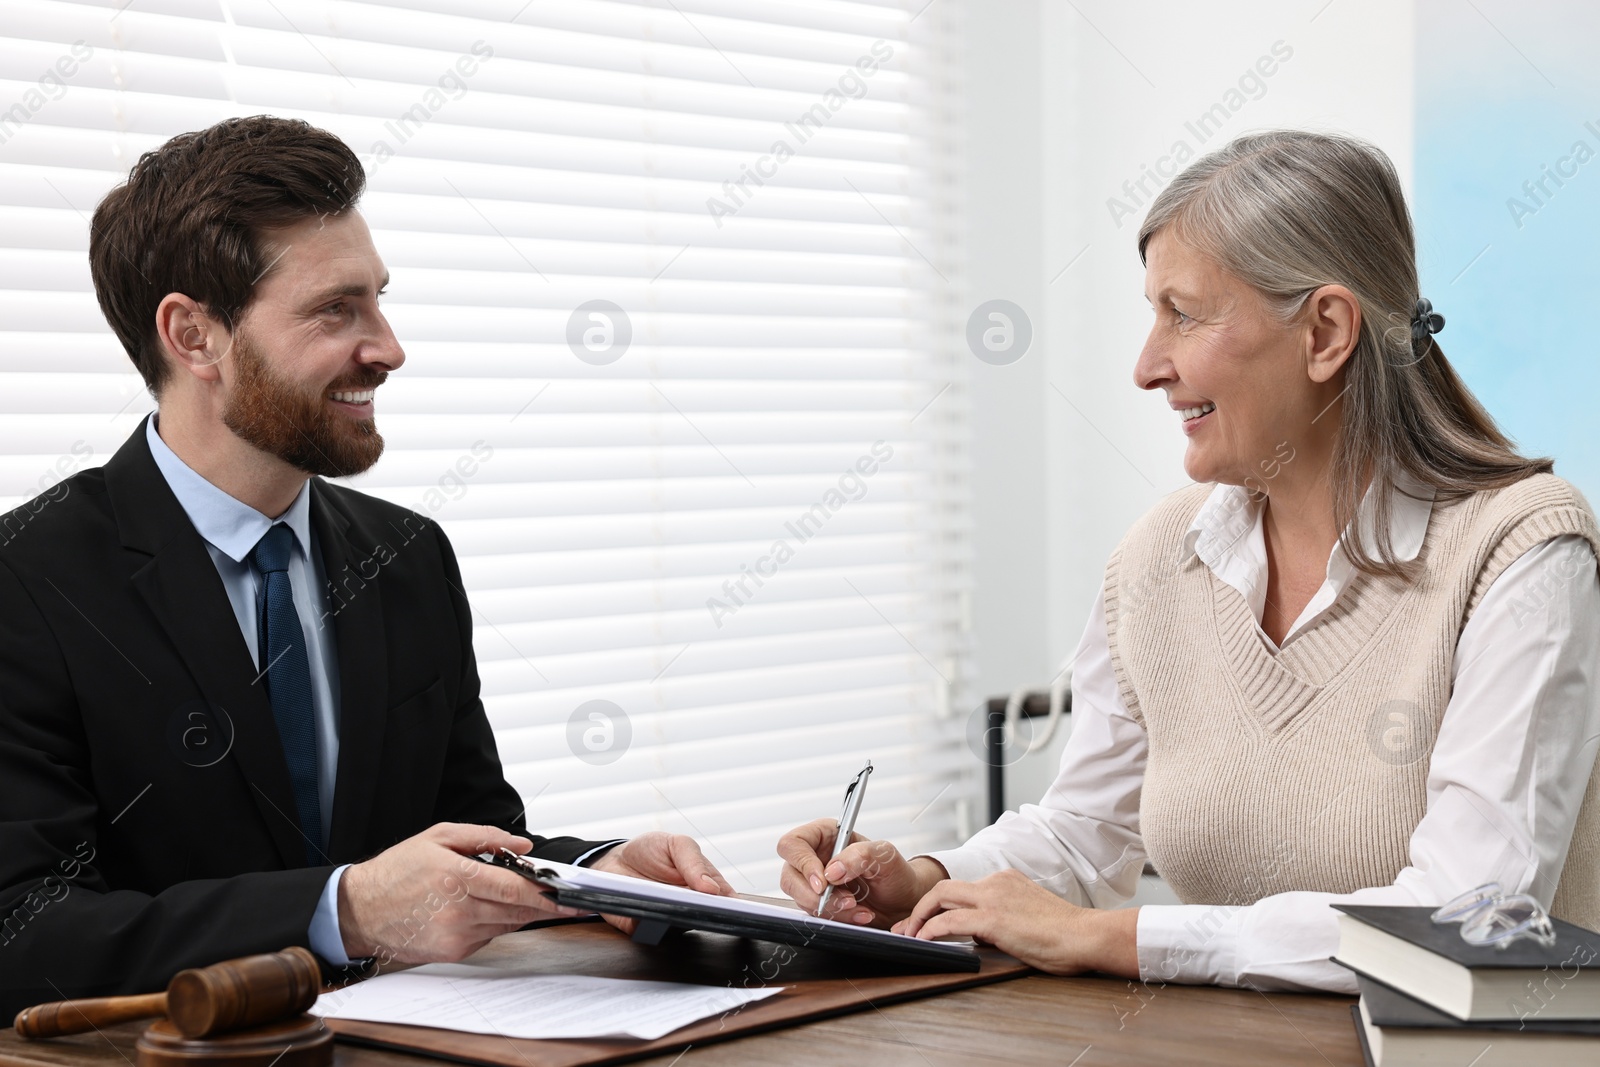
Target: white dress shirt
[(1508, 771)]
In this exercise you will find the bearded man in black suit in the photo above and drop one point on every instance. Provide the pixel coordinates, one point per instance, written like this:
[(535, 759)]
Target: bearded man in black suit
[(239, 707)]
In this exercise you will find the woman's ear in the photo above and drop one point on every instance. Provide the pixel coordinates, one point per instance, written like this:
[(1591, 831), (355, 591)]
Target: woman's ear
[(1333, 326)]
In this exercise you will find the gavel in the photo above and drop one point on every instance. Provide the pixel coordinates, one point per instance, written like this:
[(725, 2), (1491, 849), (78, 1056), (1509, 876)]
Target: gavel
[(200, 1002)]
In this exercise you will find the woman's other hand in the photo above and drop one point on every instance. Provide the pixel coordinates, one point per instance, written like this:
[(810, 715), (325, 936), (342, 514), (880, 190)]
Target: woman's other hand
[(1023, 919)]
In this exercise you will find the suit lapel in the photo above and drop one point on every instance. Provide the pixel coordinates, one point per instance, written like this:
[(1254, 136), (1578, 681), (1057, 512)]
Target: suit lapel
[(354, 607), (184, 592)]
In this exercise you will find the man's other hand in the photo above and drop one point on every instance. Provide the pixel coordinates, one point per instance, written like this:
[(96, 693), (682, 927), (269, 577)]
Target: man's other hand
[(661, 857)]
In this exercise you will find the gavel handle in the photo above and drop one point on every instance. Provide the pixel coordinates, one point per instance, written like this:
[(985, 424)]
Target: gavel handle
[(79, 1016)]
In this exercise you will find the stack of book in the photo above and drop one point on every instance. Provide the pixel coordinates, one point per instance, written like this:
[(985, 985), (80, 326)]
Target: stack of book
[(1428, 997)]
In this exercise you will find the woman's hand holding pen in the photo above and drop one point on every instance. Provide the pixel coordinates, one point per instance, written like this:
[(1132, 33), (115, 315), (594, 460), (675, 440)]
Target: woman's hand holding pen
[(876, 885)]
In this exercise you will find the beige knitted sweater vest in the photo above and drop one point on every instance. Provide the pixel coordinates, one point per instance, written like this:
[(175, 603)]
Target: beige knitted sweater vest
[(1306, 770)]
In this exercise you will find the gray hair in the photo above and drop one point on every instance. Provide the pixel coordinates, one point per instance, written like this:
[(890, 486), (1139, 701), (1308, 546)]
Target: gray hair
[(1289, 211)]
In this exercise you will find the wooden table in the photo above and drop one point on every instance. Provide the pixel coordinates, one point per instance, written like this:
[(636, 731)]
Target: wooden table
[(1063, 1022)]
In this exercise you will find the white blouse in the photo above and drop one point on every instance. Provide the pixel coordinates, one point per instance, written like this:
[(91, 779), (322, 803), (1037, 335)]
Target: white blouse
[(1509, 768)]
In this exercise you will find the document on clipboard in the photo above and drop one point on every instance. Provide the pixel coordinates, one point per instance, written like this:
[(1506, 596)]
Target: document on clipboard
[(660, 908)]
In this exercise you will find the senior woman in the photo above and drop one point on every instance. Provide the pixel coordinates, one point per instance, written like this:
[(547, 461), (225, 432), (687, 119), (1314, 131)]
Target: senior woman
[(1356, 662)]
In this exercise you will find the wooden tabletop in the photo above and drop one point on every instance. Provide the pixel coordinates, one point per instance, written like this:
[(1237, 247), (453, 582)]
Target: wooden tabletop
[(1064, 1022), (1037, 1019)]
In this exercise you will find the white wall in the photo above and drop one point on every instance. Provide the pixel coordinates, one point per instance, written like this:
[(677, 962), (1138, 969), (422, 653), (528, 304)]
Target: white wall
[(1068, 452)]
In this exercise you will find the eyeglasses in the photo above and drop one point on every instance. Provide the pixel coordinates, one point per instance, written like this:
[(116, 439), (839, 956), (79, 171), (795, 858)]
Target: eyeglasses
[(1490, 917)]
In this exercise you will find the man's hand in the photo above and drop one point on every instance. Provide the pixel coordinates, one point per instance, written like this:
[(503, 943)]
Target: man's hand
[(661, 857), (874, 883), (426, 899), (1022, 918)]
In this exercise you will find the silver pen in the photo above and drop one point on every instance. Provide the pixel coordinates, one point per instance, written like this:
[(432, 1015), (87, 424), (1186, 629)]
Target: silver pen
[(853, 794)]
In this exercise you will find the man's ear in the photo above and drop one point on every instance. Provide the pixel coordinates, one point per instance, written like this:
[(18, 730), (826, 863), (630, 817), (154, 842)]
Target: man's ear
[(1333, 327), (190, 339)]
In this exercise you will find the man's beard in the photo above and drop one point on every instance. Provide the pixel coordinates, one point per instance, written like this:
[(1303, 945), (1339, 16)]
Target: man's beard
[(298, 427)]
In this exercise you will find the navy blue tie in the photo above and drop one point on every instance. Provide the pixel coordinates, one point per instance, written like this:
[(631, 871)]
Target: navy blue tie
[(282, 645)]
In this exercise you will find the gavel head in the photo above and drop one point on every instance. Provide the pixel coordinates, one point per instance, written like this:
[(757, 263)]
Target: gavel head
[(250, 991)]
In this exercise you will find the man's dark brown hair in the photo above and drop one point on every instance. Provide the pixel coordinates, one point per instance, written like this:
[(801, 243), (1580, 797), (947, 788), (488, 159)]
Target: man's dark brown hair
[(189, 220)]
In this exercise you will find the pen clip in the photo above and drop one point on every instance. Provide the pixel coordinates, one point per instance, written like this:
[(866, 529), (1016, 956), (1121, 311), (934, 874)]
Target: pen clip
[(858, 781)]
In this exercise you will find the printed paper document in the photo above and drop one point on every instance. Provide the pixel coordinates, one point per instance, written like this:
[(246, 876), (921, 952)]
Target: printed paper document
[(497, 1000)]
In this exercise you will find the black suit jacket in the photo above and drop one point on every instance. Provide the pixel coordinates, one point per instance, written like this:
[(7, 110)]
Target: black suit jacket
[(147, 822)]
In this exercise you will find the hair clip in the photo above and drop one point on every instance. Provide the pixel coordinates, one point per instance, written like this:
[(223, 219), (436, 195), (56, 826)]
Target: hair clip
[(1425, 320)]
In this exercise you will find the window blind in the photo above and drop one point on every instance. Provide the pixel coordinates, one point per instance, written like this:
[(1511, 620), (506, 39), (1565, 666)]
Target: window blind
[(676, 286)]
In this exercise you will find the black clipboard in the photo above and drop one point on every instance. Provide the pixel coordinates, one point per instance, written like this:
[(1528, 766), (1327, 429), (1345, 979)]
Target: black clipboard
[(658, 917)]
